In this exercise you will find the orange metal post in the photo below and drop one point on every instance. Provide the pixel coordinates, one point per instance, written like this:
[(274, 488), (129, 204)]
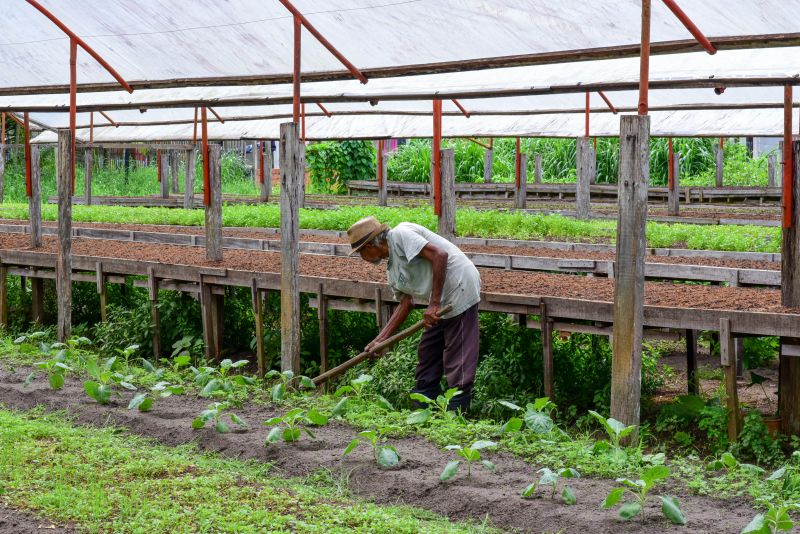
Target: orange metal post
[(296, 72), (436, 156), (28, 191), (260, 162), (788, 184), (694, 30), (517, 161), (206, 165), (644, 59), (670, 167), (73, 95)]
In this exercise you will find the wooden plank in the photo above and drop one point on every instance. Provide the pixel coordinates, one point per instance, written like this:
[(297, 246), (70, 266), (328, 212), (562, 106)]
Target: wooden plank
[(258, 316), (548, 379), (674, 195), (37, 300), (164, 184), (322, 317), (64, 257), (382, 170), (771, 170), (3, 296), (728, 362), (447, 218), (789, 374), (628, 314), (206, 317), (188, 186), (87, 176), (2, 169), (585, 175), (155, 315), (488, 165), (691, 362), (213, 211), (102, 291), (217, 312), (537, 169), (173, 165), (266, 184), (292, 152), (35, 200), (521, 192), (719, 164)]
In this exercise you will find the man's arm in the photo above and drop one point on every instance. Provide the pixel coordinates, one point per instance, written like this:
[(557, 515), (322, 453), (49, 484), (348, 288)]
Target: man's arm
[(438, 259), (394, 322)]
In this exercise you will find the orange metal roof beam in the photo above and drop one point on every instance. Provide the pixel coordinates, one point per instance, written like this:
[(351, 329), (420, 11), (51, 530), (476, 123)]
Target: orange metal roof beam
[(693, 29), (325, 111), (608, 102), (481, 143), (324, 42), (460, 107), (109, 119), (220, 119)]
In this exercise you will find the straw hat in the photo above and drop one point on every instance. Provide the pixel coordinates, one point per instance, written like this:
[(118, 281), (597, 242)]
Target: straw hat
[(364, 231)]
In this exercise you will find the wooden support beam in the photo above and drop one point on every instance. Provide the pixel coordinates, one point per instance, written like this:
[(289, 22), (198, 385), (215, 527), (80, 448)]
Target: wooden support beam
[(266, 176), (771, 170), (102, 291), (213, 209), (381, 171), (163, 174), (691, 362), (87, 176), (728, 362), (585, 176), (447, 216), (64, 259), (436, 157), (3, 296), (2, 166), (258, 315), (521, 189), (217, 322), (789, 374), (674, 194), (35, 200), (547, 352), (173, 164), (188, 191), (488, 165), (292, 153), (322, 316), (155, 317), (628, 309), (537, 169), (206, 317), (37, 300), (719, 162)]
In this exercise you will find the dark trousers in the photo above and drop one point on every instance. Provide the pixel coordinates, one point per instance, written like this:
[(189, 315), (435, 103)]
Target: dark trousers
[(449, 348)]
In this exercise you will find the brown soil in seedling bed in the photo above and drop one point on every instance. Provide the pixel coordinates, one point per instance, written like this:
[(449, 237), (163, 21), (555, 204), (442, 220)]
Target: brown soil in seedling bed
[(415, 482), (14, 521), (494, 281)]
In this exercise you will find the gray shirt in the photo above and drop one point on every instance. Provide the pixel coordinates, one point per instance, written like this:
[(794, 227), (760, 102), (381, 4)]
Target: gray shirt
[(411, 274)]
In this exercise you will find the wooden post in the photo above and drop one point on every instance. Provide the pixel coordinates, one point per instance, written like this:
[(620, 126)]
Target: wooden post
[(37, 300), (188, 192), (727, 356), (547, 351), (2, 167), (217, 322), (102, 291), (521, 191), (35, 200), (719, 152), (771, 170), (64, 260), (585, 176), (87, 176), (258, 314), (780, 167), (537, 168), (214, 210), (155, 317), (163, 165), (173, 163), (205, 315), (447, 218), (322, 316), (488, 165), (292, 174), (266, 183), (383, 176), (674, 193), (789, 376), (3, 296), (634, 175), (691, 362)]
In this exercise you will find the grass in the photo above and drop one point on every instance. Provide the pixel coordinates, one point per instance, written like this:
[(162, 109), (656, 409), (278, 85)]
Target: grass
[(106, 481), (469, 223)]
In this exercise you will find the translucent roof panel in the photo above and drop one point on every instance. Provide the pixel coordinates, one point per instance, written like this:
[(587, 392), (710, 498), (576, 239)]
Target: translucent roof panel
[(172, 42)]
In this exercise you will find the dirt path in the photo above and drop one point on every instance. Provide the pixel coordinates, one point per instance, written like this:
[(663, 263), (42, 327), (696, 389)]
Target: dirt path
[(14, 521), (415, 483)]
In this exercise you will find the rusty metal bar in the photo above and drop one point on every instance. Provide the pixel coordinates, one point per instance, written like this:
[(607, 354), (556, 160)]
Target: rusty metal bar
[(109, 119), (296, 74), (217, 115), (460, 107), (481, 143), (608, 102), (693, 29), (788, 184), (206, 163), (77, 40), (20, 123), (158, 164), (299, 18), (325, 111), (28, 160), (644, 59), (436, 157)]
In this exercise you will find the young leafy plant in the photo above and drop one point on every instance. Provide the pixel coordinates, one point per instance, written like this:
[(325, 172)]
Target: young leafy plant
[(469, 455), (144, 401), (104, 377), (285, 382), (728, 461), (359, 390), (221, 379), (616, 431), (538, 416), (776, 519), (550, 478), (639, 490), (436, 406), (290, 426), (385, 455), (54, 368), (214, 414)]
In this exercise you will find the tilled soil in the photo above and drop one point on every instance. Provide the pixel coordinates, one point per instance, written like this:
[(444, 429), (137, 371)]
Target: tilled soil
[(415, 482), (494, 281), (258, 233), (14, 521)]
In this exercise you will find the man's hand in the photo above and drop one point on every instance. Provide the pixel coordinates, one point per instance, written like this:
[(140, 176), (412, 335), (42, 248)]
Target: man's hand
[(430, 317)]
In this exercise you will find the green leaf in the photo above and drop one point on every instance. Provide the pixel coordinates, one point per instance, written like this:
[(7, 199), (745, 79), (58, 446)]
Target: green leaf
[(757, 525), (778, 474), (146, 405), (529, 490), (509, 405), (137, 400), (56, 380), (99, 392), (342, 390), (278, 392), (613, 498), (489, 465), (128, 386), (198, 423), (182, 361), (449, 471), (616, 426), (212, 386), (307, 383), (237, 420), (387, 456), (363, 379), (569, 472), (29, 379), (221, 427), (418, 417), (538, 422), (512, 425), (548, 477), (340, 407), (240, 363), (483, 444), (729, 460), (317, 418), (629, 510), (291, 434), (654, 474), (671, 509), (351, 446), (567, 496), (274, 435), (419, 397), (149, 367), (383, 403)]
